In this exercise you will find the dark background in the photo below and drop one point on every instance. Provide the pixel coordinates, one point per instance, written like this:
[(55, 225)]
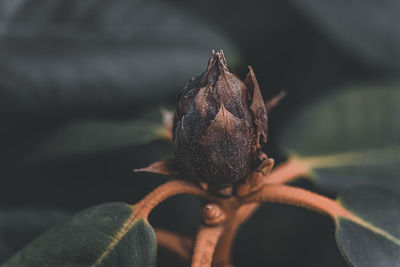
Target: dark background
[(102, 69)]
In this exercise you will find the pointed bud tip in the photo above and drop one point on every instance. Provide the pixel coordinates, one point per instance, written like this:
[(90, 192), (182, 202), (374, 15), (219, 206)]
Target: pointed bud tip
[(216, 65), (220, 58)]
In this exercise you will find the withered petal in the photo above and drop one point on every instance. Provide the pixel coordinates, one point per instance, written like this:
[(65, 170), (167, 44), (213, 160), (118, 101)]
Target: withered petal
[(257, 106), (232, 92), (266, 166), (166, 167), (225, 121), (201, 101), (274, 101)]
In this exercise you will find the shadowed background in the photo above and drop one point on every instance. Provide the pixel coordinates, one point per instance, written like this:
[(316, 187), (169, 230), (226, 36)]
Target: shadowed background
[(82, 83)]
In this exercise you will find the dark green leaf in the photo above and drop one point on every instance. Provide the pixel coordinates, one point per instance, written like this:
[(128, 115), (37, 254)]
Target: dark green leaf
[(85, 57), (93, 136), (104, 235), (349, 138), (375, 240), (368, 28), (18, 227)]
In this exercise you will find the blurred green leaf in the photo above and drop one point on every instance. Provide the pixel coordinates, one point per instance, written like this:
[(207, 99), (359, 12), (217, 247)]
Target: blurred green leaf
[(376, 241), (88, 137), (104, 235), (349, 138), (20, 226), (368, 28), (87, 57)]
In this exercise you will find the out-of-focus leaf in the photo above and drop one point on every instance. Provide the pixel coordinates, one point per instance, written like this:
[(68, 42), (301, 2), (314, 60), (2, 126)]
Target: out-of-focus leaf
[(86, 57), (90, 137), (375, 241), (105, 235), (349, 138), (368, 28), (18, 227)]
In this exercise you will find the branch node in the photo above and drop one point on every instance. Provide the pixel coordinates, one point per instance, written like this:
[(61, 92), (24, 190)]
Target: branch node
[(213, 215)]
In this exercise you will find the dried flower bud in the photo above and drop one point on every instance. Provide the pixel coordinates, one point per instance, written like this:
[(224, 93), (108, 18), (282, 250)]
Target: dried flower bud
[(220, 125)]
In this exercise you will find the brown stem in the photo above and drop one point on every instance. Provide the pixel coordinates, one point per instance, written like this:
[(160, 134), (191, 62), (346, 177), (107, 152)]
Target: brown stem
[(245, 211), (222, 256), (206, 241), (288, 171), (274, 193), (301, 198), (181, 245), (169, 189), (284, 173)]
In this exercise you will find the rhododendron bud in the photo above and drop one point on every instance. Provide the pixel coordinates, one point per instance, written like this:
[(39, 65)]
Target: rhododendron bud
[(220, 125)]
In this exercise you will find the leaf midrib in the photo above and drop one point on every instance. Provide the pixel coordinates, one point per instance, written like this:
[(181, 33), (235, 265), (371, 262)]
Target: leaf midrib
[(373, 228), (118, 236)]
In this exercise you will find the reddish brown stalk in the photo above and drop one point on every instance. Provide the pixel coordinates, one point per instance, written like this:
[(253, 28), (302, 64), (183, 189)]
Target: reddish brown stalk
[(222, 256), (301, 198), (284, 173), (237, 210), (182, 246), (206, 241), (169, 189), (280, 194)]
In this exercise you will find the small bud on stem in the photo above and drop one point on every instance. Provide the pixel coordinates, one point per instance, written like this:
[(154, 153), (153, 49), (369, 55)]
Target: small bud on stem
[(213, 215)]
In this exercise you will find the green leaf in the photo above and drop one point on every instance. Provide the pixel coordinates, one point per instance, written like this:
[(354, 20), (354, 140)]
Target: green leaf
[(349, 138), (373, 239), (91, 62), (93, 136), (105, 235), (368, 29), (19, 226), (95, 57)]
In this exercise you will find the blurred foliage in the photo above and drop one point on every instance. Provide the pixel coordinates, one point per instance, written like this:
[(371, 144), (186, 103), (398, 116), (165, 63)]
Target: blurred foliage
[(81, 63), (20, 226), (350, 137), (368, 31)]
